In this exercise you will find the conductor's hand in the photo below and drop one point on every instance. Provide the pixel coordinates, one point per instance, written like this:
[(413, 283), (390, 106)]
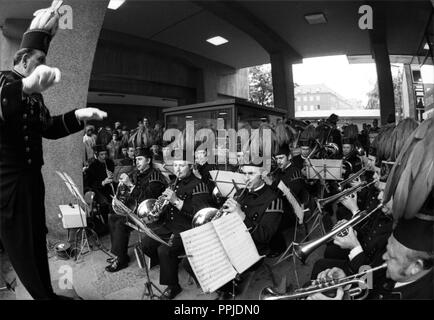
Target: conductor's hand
[(86, 114), (231, 206), (42, 78)]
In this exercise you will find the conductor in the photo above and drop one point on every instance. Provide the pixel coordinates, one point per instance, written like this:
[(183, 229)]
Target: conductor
[(24, 121)]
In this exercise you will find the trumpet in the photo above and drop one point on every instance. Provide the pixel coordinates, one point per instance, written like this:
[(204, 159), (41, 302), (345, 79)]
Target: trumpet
[(303, 250), (206, 215), (358, 293)]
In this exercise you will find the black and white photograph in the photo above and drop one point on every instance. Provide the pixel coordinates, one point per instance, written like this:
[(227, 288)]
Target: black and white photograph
[(217, 154)]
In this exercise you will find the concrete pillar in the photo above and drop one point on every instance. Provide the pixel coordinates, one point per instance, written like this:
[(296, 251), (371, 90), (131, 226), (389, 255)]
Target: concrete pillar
[(385, 83), (8, 47), (72, 51), (283, 83), (408, 102), (208, 81)]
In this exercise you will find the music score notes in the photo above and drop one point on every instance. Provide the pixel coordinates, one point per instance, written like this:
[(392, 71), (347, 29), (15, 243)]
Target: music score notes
[(219, 250)]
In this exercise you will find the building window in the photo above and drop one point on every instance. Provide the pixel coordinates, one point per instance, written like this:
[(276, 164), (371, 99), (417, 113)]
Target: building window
[(317, 98), (298, 99), (312, 108), (318, 107), (304, 108), (305, 98), (311, 98)]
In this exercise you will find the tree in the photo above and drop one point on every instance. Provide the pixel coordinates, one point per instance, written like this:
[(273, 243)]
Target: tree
[(374, 97), (261, 85)]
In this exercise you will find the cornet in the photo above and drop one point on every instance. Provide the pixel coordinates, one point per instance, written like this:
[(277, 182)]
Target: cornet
[(358, 293), (303, 250)]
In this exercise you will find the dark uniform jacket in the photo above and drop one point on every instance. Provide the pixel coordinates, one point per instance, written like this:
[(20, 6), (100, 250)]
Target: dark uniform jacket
[(263, 211), (298, 162), (149, 184), (206, 176), (95, 175), (355, 164), (421, 289), (195, 195), (24, 121)]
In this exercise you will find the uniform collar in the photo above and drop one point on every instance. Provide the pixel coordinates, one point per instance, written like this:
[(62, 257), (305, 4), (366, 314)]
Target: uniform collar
[(19, 75)]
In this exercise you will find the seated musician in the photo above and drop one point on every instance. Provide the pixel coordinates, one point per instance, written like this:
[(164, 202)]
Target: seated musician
[(352, 162), (409, 257), (306, 147), (362, 247), (202, 168), (99, 179), (143, 183), (291, 176), (186, 196), (260, 209)]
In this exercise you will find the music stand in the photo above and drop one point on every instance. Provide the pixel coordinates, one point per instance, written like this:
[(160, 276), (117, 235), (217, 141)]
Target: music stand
[(143, 264), (82, 232)]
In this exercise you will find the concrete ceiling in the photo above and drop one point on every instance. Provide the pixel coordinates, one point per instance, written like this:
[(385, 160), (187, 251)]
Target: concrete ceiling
[(185, 25)]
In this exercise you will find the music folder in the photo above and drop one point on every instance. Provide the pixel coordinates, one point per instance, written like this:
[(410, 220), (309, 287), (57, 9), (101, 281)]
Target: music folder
[(219, 250)]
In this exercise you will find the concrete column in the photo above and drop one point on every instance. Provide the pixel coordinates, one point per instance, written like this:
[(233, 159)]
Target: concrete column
[(283, 83), (72, 51), (385, 83), (408, 102), (208, 81), (8, 47)]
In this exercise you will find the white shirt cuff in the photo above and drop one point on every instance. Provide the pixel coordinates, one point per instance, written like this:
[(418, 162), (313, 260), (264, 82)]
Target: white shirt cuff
[(354, 252)]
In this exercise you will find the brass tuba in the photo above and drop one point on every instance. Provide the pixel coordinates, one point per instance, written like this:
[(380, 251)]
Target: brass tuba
[(356, 293), (303, 250)]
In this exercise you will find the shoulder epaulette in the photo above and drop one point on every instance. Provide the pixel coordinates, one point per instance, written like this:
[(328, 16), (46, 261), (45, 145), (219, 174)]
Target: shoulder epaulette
[(275, 206), (156, 177), (200, 188)]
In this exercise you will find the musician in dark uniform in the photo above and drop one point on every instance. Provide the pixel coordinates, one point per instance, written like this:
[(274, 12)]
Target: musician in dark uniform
[(130, 159), (186, 196), (24, 121), (99, 179), (409, 256), (291, 176), (143, 183), (363, 247), (261, 210), (352, 162), (203, 168)]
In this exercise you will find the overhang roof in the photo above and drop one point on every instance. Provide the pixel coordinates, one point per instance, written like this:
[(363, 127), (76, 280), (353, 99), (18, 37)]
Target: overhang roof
[(187, 25)]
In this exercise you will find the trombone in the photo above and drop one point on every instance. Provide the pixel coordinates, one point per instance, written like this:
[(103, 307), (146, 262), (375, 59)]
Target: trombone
[(358, 293)]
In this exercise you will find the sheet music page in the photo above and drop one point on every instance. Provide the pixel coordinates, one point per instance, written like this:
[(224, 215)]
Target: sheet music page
[(207, 257), (237, 241)]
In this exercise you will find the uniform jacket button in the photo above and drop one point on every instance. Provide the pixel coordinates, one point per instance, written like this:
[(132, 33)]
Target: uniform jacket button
[(29, 161), (26, 138), (24, 127), (27, 149), (25, 116), (5, 101)]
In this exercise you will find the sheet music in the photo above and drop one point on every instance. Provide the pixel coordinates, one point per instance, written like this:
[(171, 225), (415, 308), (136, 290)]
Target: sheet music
[(223, 180), (66, 182), (74, 187), (237, 241), (207, 257)]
